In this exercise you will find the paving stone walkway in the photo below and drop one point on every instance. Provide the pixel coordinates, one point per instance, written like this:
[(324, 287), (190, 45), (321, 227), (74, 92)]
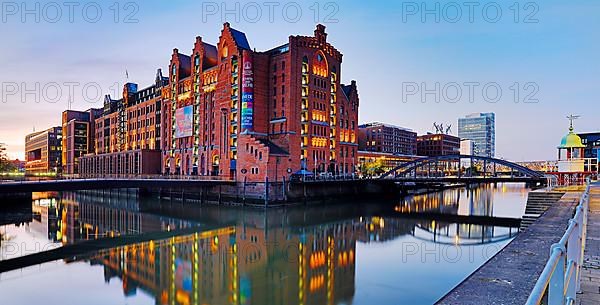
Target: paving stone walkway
[(590, 271)]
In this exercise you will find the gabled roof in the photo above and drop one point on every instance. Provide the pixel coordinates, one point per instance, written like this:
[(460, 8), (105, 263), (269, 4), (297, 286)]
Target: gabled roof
[(160, 80), (240, 39), (273, 148), (185, 65), (347, 89), (210, 56)]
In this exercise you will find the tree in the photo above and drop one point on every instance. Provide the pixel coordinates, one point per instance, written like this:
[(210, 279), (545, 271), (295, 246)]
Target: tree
[(5, 164), (373, 168)]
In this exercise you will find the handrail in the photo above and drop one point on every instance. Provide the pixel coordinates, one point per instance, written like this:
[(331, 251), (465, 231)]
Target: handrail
[(561, 274)]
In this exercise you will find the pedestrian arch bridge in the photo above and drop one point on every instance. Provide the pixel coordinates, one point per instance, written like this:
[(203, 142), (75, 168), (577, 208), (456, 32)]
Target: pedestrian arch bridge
[(462, 167)]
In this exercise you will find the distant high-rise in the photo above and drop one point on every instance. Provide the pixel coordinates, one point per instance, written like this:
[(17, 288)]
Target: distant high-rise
[(480, 128)]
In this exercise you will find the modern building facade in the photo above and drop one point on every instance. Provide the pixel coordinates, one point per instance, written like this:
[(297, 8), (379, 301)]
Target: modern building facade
[(78, 137), (385, 138), (481, 129), (237, 113), (43, 152), (432, 145), (467, 147)]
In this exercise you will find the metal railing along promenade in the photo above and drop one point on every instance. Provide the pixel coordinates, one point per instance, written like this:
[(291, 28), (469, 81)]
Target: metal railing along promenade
[(560, 278)]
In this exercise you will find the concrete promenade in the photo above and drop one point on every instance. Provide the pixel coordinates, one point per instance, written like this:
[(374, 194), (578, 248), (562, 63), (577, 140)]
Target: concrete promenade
[(590, 272), (509, 277)]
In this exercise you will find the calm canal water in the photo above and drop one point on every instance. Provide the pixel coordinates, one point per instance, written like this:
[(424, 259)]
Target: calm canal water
[(159, 252)]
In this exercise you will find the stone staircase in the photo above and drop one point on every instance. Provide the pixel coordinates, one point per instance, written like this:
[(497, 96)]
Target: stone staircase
[(537, 203)]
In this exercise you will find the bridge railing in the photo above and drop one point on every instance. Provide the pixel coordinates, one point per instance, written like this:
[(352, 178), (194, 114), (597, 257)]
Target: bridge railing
[(561, 275), (118, 177)]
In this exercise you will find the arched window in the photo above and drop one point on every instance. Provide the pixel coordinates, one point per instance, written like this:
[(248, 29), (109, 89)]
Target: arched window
[(320, 64), (304, 65), (224, 51), (174, 72)]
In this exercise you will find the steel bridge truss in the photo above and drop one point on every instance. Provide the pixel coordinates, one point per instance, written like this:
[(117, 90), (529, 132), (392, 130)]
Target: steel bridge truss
[(460, 166)]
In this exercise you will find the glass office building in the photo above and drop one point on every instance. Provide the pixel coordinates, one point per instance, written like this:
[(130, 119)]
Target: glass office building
[(480, 128)]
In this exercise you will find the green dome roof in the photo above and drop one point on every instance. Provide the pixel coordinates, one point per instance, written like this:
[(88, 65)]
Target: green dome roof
[(571, 140)]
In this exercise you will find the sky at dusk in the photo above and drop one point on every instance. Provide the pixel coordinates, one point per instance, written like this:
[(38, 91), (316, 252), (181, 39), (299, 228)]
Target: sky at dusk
[(542, 55)]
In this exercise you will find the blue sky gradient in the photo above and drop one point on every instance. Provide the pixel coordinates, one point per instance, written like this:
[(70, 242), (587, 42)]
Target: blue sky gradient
[(381, 51)]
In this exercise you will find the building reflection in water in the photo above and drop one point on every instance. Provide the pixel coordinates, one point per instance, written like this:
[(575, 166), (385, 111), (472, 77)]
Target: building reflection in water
[(303, 256), (464, 202), (71, 217), (240, 265)]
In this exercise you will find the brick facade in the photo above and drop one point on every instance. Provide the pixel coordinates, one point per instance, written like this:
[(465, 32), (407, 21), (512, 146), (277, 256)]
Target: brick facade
[(296, 113), (387, 139), (131, 162), (438, 145), (227, 110)]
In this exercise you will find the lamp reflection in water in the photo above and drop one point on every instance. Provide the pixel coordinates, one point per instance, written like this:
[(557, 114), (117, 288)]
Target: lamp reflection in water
[(302, 256)]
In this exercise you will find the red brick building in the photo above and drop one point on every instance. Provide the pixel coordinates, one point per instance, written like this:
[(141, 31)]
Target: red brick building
[(388, 139), (228, 111), (438, 145), (237, 113), (128, 134)]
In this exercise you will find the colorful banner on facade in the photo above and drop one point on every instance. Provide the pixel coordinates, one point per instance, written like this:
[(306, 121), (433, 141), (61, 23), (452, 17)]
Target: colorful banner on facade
[(184, 118), (247, 93)]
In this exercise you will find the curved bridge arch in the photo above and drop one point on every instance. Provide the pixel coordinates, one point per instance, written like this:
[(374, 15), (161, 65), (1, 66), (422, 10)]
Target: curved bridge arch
[(411, 167), (465, 240)]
